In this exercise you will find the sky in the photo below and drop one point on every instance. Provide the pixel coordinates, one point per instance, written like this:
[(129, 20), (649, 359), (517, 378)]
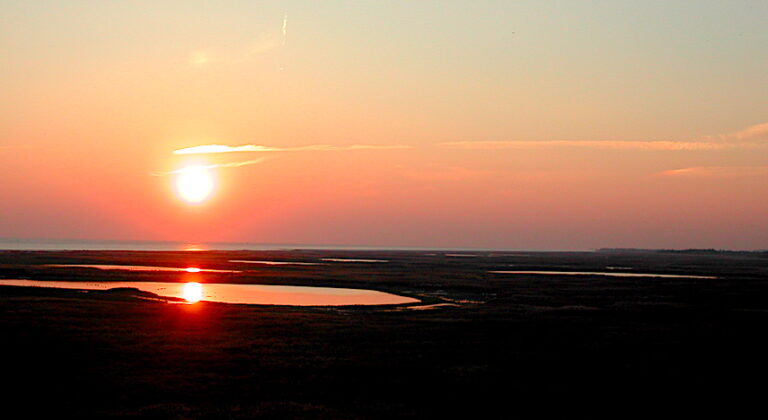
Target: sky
[(562, 125)]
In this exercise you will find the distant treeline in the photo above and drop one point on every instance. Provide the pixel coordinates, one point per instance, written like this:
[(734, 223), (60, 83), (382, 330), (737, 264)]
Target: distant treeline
[(762, 253)]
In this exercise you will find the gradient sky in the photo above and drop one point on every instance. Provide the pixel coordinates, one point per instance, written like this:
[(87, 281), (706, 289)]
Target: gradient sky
[(499, 124)]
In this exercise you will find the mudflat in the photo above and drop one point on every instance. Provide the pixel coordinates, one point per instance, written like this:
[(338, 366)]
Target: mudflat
[(534, 345)]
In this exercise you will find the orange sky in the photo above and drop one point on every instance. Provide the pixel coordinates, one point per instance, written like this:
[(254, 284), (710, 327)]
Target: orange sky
[(566, 125)]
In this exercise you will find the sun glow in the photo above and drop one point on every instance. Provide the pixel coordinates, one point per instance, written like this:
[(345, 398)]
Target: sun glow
[(194, 184), (193, 292)]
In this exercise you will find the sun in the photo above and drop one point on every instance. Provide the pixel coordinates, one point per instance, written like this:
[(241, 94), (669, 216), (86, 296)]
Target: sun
[(194, 184), (192, 292)]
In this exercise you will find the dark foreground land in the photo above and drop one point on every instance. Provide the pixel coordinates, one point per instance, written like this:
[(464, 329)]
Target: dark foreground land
[(532, 346)]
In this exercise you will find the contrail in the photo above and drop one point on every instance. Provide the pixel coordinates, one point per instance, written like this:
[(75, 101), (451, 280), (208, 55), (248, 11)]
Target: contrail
[(285, 27)]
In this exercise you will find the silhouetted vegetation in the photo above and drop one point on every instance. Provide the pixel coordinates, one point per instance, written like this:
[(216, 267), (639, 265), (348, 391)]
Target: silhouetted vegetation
[(535, 346), (758, 253)]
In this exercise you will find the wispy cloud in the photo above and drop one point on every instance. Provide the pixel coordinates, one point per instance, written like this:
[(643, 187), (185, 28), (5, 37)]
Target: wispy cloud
[(212, 166), (752, 137), (593, 144), (753, 133), (242, 51), (221, 148), (717, 171)]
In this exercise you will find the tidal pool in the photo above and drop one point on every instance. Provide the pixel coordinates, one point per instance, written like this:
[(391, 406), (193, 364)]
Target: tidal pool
[(236, 293), (143, 268), (274, 262), (604, 274)]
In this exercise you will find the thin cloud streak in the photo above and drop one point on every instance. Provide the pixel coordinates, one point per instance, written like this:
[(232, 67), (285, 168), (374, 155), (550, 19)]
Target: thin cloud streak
[(757, 132), (213, 166), (592, 144), (752, 137), (717, 171), (221, 148)]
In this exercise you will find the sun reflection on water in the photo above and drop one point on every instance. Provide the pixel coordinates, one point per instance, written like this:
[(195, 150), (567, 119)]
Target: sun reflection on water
[(193, 292), (193, 247)]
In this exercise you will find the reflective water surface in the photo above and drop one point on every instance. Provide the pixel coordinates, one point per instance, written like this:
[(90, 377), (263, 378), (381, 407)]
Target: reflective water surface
[(274, 262), (143, 268), (237, 293), (603, 273)]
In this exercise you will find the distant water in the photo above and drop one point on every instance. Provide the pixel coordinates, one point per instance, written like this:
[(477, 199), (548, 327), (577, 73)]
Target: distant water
[(10, 244), (602, 273), (76, 245)]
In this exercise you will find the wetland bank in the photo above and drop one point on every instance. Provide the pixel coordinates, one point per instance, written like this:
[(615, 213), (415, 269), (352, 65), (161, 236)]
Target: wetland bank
[(534, 343)]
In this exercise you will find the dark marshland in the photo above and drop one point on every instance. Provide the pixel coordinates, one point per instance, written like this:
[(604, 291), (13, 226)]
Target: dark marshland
[(477, 341)]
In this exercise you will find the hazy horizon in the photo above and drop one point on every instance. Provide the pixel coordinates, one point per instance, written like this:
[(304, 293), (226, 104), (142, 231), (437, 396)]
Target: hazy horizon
[(563, 125), (64, 244), (152, 245)]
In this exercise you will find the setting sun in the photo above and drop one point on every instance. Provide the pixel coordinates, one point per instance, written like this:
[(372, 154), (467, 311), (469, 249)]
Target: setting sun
[(194, 184), (193, 292)]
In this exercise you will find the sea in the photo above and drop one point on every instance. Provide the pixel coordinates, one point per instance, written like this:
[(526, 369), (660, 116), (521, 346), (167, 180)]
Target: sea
[(8, 244)]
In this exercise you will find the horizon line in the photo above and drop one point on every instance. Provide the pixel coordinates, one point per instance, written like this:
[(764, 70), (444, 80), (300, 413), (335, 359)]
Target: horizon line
[(310, 246)]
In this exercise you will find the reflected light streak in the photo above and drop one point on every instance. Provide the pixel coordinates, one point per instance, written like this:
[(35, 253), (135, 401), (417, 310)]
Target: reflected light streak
[(193, 247)]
